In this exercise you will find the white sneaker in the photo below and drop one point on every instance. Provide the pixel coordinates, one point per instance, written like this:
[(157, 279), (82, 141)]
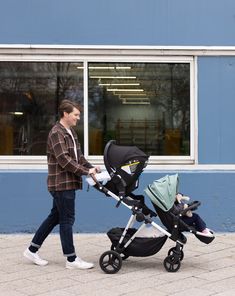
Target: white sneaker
[(34, 257), (79, 264)]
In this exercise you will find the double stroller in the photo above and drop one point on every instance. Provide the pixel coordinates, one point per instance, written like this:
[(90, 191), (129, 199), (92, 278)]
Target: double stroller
[(124, 165)]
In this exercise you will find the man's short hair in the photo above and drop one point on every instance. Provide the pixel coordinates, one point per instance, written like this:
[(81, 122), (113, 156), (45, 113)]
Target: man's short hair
[(67, 106)]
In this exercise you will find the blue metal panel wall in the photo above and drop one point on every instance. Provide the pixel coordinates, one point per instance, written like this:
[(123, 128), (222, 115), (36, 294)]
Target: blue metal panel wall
[(123, 22), (216, 107), (24, 198), (25, 201)]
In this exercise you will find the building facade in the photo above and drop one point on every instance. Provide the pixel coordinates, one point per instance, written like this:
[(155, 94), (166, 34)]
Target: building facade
[(156, 74)]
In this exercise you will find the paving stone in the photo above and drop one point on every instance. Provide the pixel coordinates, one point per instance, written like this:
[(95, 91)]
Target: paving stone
[(206, 269)]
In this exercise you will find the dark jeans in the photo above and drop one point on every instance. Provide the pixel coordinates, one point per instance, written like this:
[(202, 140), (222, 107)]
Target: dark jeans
[(195, 221), (62, 213)]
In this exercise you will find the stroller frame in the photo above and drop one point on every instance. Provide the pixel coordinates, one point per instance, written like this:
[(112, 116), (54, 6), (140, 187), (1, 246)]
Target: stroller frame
[(111, 261), (125, 241)]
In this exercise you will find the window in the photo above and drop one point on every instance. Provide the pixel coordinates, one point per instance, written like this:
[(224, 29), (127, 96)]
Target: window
[(142, 104), (135, 97), (29, 97)]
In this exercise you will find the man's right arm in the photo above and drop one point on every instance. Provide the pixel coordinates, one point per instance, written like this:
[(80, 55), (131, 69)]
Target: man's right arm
[(60, 150)]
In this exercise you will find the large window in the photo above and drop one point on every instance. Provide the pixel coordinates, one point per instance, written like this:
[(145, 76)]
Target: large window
[(29, 97), (142, 101), (142, 104)]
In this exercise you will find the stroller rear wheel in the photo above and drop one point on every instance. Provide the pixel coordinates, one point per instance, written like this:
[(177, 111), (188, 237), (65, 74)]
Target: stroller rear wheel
[(172, 252), (123, 256), (171, 264), (110, 262)]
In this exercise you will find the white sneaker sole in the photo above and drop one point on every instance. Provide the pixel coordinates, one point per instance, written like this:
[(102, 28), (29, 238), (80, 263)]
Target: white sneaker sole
[(78, 267), (26, 255)]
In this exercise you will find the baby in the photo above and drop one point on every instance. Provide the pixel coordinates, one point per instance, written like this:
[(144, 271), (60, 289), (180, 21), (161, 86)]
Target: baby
[(190, 218)]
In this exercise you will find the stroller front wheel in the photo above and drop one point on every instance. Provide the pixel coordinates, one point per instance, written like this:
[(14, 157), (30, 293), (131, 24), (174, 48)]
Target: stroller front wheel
[(173, 250), (110, 262), (171, 264)]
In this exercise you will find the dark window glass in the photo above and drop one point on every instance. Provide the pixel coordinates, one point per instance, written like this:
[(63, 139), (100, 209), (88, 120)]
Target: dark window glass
[(29, 97), (142, 104)]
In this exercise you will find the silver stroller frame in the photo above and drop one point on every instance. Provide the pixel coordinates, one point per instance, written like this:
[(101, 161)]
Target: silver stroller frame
[(111, 261)]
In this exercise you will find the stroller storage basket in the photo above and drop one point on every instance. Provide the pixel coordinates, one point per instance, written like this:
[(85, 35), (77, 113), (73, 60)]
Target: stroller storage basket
[(140, 246)]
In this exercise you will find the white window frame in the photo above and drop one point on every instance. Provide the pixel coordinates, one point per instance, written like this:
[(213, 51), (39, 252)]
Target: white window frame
[(154, 160), (85, 54)]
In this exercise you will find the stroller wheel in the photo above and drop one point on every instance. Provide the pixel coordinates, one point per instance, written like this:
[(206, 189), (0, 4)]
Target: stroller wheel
[(172, 252), (123, 256), (171, 264), (110, 262)]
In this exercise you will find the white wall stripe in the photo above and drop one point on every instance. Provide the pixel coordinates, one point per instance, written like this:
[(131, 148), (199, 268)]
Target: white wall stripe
[(17, 50)]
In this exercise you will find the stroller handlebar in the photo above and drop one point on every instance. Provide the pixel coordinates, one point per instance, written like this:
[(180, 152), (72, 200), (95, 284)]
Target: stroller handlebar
[(94, 178), (191, 207), (97, 183)]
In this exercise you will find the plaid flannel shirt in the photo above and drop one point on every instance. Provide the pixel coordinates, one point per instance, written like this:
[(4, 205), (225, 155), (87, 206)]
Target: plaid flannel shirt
[(64, 171)]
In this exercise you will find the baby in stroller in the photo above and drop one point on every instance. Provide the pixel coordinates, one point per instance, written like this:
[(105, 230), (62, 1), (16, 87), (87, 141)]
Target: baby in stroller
[(124, 165), (190, 218), (177, 216)]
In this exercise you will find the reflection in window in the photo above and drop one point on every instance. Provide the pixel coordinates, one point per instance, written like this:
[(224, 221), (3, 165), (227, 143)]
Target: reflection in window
[(142, 104), (29, 97)]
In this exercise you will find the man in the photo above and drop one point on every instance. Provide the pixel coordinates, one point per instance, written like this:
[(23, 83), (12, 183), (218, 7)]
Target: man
[(66, 165)]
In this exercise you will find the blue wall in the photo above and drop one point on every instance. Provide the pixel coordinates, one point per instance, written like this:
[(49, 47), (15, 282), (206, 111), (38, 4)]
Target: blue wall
[(123, 22), (24, 197), (25, 201), (216, 107)]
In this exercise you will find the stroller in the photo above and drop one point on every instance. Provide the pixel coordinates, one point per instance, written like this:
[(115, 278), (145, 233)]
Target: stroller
[(124, 165)]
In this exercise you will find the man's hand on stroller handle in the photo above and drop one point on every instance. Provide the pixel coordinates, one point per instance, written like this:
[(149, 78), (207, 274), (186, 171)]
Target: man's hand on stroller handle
[(95, 170), (97, 177)]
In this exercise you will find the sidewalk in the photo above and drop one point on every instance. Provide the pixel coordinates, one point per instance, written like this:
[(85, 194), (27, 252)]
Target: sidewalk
[(205, 270)]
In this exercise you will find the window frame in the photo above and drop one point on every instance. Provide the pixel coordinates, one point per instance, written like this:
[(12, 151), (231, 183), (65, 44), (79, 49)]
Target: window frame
[(94, 54)]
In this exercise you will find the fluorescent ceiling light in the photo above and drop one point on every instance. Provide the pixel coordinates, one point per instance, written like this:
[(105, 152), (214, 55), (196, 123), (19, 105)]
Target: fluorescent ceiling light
[(119, 84), (123, 67), (113, 77), (135, 103), (134, 98), (101, 67), (125, 89), (17, 113), (131, 95), (106, 67)]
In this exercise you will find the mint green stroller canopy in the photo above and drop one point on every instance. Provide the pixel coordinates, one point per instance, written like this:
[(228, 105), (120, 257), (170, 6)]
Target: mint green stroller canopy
[(162, 192)]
